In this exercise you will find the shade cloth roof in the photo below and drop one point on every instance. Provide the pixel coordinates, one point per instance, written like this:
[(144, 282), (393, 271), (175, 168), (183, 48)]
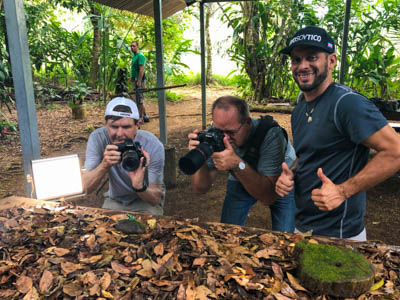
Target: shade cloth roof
[(146, 7)]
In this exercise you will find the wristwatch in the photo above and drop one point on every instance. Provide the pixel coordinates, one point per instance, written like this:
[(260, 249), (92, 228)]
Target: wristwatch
[(240, 166), (142, 189)]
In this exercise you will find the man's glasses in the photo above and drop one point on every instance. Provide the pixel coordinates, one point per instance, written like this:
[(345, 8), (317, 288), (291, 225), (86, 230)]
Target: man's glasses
[(231, 132)]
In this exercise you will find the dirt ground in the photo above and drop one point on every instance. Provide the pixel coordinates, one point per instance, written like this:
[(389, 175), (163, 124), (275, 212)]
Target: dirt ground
[(61, 135)]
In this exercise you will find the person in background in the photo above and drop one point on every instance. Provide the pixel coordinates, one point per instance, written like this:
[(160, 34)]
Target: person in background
[(333, 130), (247, 183), (138, 78), (141, 190)]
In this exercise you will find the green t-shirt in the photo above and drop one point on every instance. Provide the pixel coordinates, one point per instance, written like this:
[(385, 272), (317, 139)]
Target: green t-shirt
[(137, 60)]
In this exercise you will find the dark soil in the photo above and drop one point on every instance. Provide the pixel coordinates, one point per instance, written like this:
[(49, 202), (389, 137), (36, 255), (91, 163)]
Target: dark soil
[(61, 135)]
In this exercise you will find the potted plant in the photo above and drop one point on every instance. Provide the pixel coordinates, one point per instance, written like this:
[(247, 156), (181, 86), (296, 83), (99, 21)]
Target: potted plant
[(76, 95)]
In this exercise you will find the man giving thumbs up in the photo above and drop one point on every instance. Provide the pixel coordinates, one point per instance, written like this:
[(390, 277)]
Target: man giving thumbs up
[(333, 129), (250, 180)]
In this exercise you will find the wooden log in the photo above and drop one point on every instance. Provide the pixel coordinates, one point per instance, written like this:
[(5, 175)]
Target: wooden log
[(170, 166), (79, 112), (335, 271)]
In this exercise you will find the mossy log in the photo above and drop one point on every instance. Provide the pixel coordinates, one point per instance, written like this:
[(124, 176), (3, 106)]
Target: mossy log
[(271, 108), (334, 271)]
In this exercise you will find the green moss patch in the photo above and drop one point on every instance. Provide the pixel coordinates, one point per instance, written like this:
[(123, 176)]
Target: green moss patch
[(337, 271)]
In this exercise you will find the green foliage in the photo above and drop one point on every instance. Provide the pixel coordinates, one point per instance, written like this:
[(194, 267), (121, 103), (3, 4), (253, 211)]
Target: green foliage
[(44, 94), (189, 78), (224, 80), (6, 89), (372, 66), (89, 128), (6, 124), (121, 83), (175, 45), (52, 106), (59, 56), (173, 97), (260, 30), (76, 93), (195, 79)]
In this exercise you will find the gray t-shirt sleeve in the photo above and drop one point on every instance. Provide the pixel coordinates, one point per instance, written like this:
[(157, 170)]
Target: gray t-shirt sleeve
[(290, 155), (95, 149), (157, 160)]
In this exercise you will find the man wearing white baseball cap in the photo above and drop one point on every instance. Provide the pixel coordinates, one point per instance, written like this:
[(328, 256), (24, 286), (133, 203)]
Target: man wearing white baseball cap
[(333, 130), (132, 158)]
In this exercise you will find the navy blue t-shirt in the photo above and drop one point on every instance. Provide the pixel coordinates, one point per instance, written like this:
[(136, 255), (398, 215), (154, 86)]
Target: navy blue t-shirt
[(340, 120)]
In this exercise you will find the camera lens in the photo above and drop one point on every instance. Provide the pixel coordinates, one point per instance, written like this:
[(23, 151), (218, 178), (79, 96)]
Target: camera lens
[(130, 160), (194, 159), (191, 162)]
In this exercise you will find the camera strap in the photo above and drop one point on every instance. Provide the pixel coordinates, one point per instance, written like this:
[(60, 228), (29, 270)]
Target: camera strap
[(254, 143)]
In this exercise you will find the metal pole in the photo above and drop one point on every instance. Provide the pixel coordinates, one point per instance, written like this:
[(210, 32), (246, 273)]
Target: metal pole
[(22, 78), (203, 67), (103, 26), (344, 41), (160, 70)]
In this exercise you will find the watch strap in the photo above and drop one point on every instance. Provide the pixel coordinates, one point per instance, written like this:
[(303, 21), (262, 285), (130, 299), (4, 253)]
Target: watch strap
[(142, 189)]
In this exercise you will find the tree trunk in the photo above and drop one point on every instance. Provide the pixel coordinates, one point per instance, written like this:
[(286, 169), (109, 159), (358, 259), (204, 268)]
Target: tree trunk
[(208, 14), (255, 65), (94, 69)]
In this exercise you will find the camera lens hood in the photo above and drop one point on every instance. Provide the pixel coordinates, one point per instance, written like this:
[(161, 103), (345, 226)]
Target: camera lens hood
[(194, 159)]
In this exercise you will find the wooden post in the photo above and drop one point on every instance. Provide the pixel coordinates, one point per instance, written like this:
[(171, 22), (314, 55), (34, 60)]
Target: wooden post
[(170, 167)]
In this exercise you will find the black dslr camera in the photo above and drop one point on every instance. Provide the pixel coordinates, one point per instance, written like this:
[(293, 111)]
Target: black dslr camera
[(211, 141), (131, 153)]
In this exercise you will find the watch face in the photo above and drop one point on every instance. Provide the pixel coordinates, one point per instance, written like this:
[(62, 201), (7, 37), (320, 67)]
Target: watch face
[(242, 165)]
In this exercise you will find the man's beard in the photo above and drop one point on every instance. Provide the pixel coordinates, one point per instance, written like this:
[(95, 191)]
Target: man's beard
[(317, 81)]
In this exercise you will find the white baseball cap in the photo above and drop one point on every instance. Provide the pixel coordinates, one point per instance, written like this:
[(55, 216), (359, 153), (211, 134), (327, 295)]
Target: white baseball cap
[(122, 101)]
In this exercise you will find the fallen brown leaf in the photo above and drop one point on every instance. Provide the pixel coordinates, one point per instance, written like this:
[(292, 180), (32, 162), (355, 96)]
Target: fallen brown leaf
[(24, 284), (46, 281), (119, 268)]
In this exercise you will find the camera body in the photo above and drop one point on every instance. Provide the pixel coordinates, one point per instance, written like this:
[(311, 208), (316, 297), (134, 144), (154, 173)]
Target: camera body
[(131, 153), (211, 141), (213, 138)]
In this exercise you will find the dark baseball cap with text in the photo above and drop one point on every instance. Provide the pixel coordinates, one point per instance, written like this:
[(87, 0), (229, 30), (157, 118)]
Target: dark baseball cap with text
[(311, 36)]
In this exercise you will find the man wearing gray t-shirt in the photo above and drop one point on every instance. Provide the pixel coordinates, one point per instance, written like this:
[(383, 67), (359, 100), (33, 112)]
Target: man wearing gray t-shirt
[(140, 188)]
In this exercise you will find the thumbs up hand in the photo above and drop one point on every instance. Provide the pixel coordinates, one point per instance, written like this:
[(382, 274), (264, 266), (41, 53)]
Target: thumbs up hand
[(329, 196), (285, 182), (227, 159)]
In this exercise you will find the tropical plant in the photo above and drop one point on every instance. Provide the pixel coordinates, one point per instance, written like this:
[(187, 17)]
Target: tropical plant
[(76, 93), (260, 30)]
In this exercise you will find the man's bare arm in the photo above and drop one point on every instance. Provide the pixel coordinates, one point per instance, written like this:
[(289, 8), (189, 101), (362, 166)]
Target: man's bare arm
[(152, 195), (93, 178), (383, 165), (261, 187), (203, 179), (140, 75)]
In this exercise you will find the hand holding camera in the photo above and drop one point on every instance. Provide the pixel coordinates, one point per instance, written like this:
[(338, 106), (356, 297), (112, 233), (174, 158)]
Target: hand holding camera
[(202, 147), (227, 159), (131, 154)]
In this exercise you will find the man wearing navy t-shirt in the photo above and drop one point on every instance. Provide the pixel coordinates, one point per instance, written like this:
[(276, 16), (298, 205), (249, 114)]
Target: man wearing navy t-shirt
[(333, 129)]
